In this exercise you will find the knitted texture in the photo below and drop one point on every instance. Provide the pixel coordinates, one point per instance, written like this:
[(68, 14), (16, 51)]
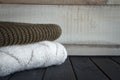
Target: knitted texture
[(12, 33), (24, 57)]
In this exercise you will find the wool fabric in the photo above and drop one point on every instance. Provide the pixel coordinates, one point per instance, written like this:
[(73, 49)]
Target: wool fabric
[(24, 57), (12, 33)]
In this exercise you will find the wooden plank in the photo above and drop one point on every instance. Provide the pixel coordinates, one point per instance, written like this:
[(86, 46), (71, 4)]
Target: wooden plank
[(54, 1), (6, 77), (87, 50), (92, 24), (36, 74), (116, 59), (113, 2), (86, 70), (109, 67), (60, 1), (61, 72)]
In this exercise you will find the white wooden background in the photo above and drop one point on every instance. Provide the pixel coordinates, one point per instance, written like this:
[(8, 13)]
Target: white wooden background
[(80, 24), (113, 1), (61, 1)]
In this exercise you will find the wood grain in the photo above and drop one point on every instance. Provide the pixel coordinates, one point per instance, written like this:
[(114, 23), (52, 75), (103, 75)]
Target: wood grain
[(86, 70), (110, 68), (74, 68), (61, 72), (6, 77), (80, 24), (113, 2), (54, 1), (116, 59), (35, 74)]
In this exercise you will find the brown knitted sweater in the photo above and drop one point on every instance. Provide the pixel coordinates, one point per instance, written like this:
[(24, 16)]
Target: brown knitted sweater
[(22, 33)]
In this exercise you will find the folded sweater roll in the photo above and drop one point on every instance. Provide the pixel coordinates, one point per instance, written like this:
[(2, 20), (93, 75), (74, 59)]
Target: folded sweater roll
[(22, 33), (24, 57)]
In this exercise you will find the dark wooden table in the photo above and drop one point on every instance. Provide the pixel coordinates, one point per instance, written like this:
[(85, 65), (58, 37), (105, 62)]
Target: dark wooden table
[(75, 68)]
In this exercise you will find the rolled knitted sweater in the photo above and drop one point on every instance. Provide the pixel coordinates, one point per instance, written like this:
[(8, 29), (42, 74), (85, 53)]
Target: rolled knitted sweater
[(22, 33), (23, 57)]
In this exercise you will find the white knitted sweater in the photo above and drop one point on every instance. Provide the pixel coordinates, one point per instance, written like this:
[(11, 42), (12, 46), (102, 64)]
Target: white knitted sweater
[(24, 57)]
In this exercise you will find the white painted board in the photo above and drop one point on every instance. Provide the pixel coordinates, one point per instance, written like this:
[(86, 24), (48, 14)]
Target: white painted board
[(80, 24), (113, 1), (77, 50)]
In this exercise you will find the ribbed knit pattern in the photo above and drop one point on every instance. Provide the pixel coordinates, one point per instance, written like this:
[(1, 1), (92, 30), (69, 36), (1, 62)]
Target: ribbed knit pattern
[(12, 33)]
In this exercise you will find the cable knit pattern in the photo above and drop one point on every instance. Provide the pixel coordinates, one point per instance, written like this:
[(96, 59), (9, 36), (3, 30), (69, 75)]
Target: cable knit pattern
[(23, 33), (23, 57)]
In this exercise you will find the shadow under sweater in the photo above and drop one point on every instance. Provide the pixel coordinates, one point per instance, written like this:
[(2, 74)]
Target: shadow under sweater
[(12, 33)]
